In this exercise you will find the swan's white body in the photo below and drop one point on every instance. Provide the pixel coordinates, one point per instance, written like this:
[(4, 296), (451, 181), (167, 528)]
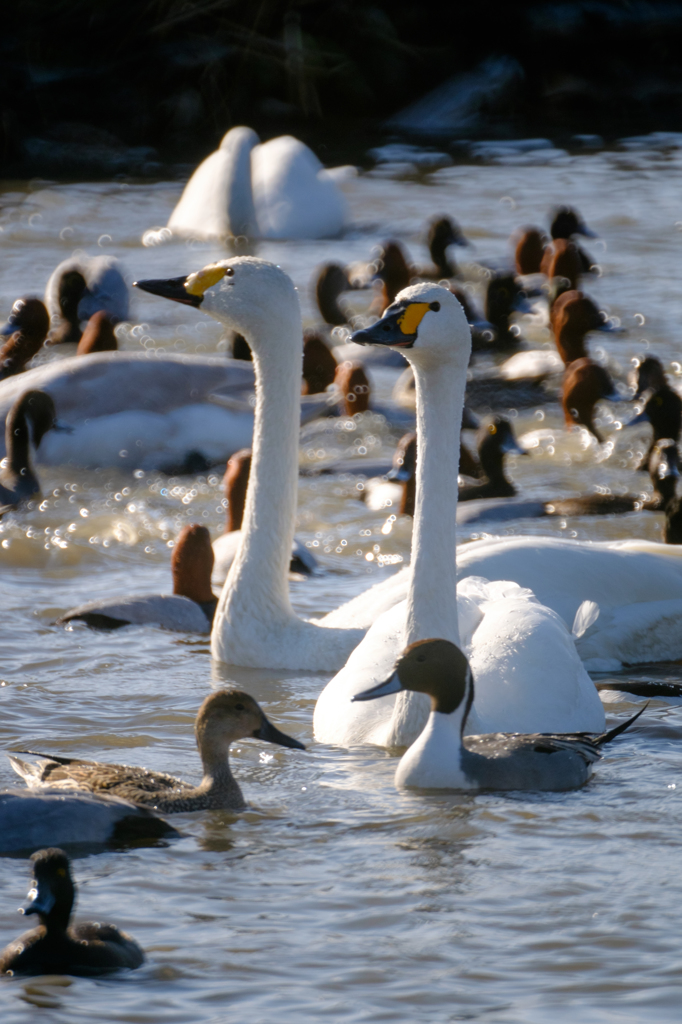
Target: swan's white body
[(637, 585), (275, 190), (106, 287), (255, 625), (528, 675), (139, 410)]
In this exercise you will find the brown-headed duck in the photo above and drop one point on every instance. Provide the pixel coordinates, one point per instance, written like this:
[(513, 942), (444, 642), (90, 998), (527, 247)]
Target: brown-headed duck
[(504, 297), (573, 315), (224, 717), (566, 223), (586, 383), (528, 250), (235, 483), (25, 330), (55, 946), (319, 365), (98, 335), (189, 608), (442, 233)]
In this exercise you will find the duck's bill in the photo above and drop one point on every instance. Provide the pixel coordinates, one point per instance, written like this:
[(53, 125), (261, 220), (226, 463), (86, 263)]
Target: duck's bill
[(272, 734), (171, 288), (62, 428), (609, 328), (397, 327), (583, 229), (389, 686), (510, 447), (41, 900)]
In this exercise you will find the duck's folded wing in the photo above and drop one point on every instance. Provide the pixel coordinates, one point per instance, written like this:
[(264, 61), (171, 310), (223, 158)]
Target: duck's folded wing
[(95, 777)]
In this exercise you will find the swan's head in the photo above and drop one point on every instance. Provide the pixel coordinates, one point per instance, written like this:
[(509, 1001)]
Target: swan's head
[(427, 323), (434, 667), (248, 295)]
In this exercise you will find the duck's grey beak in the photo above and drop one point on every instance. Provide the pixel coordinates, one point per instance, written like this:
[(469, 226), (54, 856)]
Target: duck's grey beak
[(391, 685), (62, 428), (399, 473), (170, 288), (41, 900), (608, 328), (271, 734), (510, 447), (583, 229), (640, 418)]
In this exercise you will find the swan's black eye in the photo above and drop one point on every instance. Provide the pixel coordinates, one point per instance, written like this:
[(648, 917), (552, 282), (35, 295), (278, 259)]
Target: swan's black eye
[(239, 707), (229, 272), (435, 306), (386, 327)]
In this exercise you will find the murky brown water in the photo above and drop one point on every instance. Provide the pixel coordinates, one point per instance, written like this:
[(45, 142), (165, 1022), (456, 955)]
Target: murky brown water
[(337, 897)]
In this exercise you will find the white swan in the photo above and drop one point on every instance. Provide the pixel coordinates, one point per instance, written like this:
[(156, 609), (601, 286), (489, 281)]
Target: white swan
[(529, 676), (105, 287), (637, 585), (255, 625), (278, 189)]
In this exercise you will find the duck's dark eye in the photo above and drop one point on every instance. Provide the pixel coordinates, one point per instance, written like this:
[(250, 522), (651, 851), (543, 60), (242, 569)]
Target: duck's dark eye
[(435, 306), (229, 272), (239, 707)]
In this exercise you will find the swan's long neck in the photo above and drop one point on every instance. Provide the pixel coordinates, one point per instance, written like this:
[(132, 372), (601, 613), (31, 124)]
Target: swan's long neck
[(432, 598), (258, 580)]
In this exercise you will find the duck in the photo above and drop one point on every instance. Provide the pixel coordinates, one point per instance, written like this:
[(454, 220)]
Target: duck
[(190, 608), (566, 223), (573, 315), (225, 716), (395, 488), (57, 947), (277, 189), (564, 260), (30, 819), (255, 625), (25, 330), (495, 440), (143, 410), (635, 585), (443, 758), (514, 692), (31, 416), (504, 297), (442, 233), (98, 335), (319, 365), (529, 247), (664, 469), (662, 408), (585, 383), (330, 283), (80, 286), (225, 547)]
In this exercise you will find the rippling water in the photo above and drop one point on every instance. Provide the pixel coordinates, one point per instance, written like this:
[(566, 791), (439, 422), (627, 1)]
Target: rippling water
[(336, 897)]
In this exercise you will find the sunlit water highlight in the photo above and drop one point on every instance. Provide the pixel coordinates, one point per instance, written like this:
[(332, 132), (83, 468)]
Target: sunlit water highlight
[(337, 897)]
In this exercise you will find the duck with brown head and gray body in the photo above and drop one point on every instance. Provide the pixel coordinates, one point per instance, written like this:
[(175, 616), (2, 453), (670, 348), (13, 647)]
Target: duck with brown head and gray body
[(25, 330), (443, 758), (55, 946), (224, 717)]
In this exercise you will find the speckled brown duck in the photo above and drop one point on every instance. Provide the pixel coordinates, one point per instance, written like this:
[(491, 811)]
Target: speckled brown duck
[(223, 718)]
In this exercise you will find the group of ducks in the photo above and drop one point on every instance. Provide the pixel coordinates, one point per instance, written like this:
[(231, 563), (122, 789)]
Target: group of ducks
[(456, 670)]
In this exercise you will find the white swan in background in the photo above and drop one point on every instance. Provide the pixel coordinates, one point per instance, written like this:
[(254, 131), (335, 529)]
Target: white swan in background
[(105, 287), (529, 676), (636, 583), (277, 189), (255, 625)]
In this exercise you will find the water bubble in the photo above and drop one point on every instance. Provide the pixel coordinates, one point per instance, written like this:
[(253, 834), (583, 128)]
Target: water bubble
[(84, 513), (640, 319), (65, 233), (103, 240)]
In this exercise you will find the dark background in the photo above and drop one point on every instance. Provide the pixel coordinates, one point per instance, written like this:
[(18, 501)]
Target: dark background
[(145, 88)]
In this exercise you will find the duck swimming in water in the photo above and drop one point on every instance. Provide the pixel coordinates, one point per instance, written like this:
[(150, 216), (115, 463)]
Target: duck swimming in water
[(189, 608), (25, 329), (495, 440), (443, 758), (29, 419), (57, 947), (224, 717), (226, 546), (662, 408)]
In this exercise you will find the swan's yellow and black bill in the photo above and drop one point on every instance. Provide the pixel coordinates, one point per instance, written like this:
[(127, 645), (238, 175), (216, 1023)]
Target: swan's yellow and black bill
[(272, 734), (171, 288), (398, 326), (390, 685)]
